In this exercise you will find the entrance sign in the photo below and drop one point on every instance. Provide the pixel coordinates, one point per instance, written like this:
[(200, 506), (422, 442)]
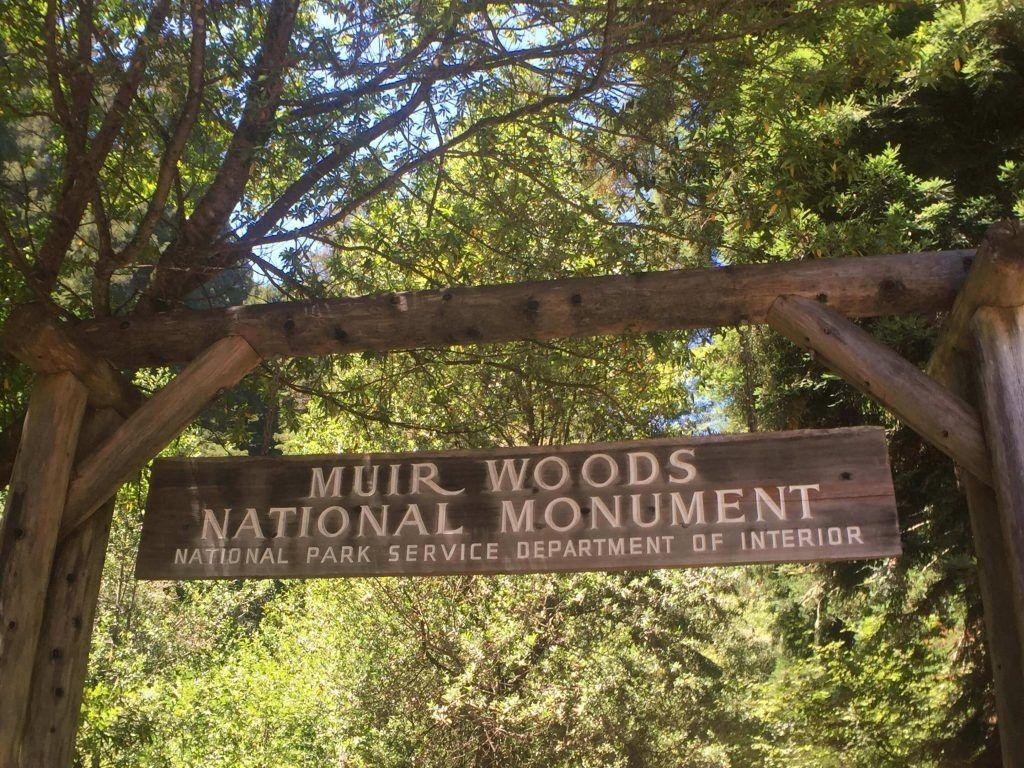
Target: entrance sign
[(792, 496)]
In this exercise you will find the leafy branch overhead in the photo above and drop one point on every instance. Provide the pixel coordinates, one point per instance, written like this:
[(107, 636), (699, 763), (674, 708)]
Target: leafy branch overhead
[(154, 146)]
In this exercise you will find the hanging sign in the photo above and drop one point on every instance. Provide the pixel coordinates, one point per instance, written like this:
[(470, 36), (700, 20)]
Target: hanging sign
[(808, 495)]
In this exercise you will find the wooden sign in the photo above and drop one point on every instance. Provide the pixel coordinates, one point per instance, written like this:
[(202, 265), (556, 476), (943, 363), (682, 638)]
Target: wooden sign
[(780, 497)]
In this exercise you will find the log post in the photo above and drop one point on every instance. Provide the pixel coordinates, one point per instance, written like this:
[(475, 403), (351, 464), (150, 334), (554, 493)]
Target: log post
[(927, 407), (938, 412), (62, 655), (1005, 648), (28, 539), (999, 333), (112, 450)]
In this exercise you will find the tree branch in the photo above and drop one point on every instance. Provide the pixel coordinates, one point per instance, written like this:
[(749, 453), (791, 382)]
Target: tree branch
[(175, 145), (174, 277), (78, 189)]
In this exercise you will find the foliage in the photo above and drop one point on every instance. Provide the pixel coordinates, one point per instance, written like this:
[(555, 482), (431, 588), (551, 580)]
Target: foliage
[(425, 145)]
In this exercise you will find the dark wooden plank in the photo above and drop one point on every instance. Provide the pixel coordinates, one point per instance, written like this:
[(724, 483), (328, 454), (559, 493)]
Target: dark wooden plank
[(587, 306), (298, 525)]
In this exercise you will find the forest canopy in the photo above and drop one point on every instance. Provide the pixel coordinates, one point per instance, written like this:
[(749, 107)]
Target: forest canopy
[(157, 154)]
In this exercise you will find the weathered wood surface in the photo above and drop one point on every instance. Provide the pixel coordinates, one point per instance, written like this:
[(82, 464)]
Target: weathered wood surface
[(62, 655), (33, 336), (1002, 634), (792, 496), (856, 287), (1005, 646), (999, 333), (28, 537), (9, 439), (995, 280), (152, 427), (930, 409)]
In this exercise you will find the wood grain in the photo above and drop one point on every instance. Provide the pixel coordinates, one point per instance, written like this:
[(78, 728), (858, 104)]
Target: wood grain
[(28, 537), (995, 280), (585, 306), (153, 426), (999, 334), (849, 466), (62, 654), (930, 409), (33, 336)]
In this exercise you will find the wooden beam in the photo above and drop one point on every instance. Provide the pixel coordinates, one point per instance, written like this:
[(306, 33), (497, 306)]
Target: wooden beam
[(28, 538), (154, 425), (995, 280), (585, 306), (931, 410), (62, 655), (999, 332), (34, 337)]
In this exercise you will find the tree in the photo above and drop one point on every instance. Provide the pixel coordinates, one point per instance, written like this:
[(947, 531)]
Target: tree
[(880, 129), (170, 142)]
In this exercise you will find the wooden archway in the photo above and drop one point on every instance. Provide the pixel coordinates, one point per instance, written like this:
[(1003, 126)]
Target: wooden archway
[(88, 429)]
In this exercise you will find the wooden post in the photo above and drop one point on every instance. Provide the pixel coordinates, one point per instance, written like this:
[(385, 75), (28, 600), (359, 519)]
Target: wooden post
[(999, 333), (927, 407), (937, 411), (28, 539), (1005, 650), (112, 450), (62, 655), (995, 279)]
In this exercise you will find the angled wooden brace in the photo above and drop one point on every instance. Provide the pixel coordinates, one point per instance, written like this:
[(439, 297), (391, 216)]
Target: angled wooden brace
[(62, 647), (152, 427), (930, 409)]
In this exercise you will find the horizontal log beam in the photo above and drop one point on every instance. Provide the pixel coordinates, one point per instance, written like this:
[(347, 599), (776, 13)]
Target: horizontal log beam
[(585, 306), (34, 337), (995, 280), (927, 407)]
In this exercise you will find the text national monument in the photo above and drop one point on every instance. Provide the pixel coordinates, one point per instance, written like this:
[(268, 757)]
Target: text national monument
[(778, 497)]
